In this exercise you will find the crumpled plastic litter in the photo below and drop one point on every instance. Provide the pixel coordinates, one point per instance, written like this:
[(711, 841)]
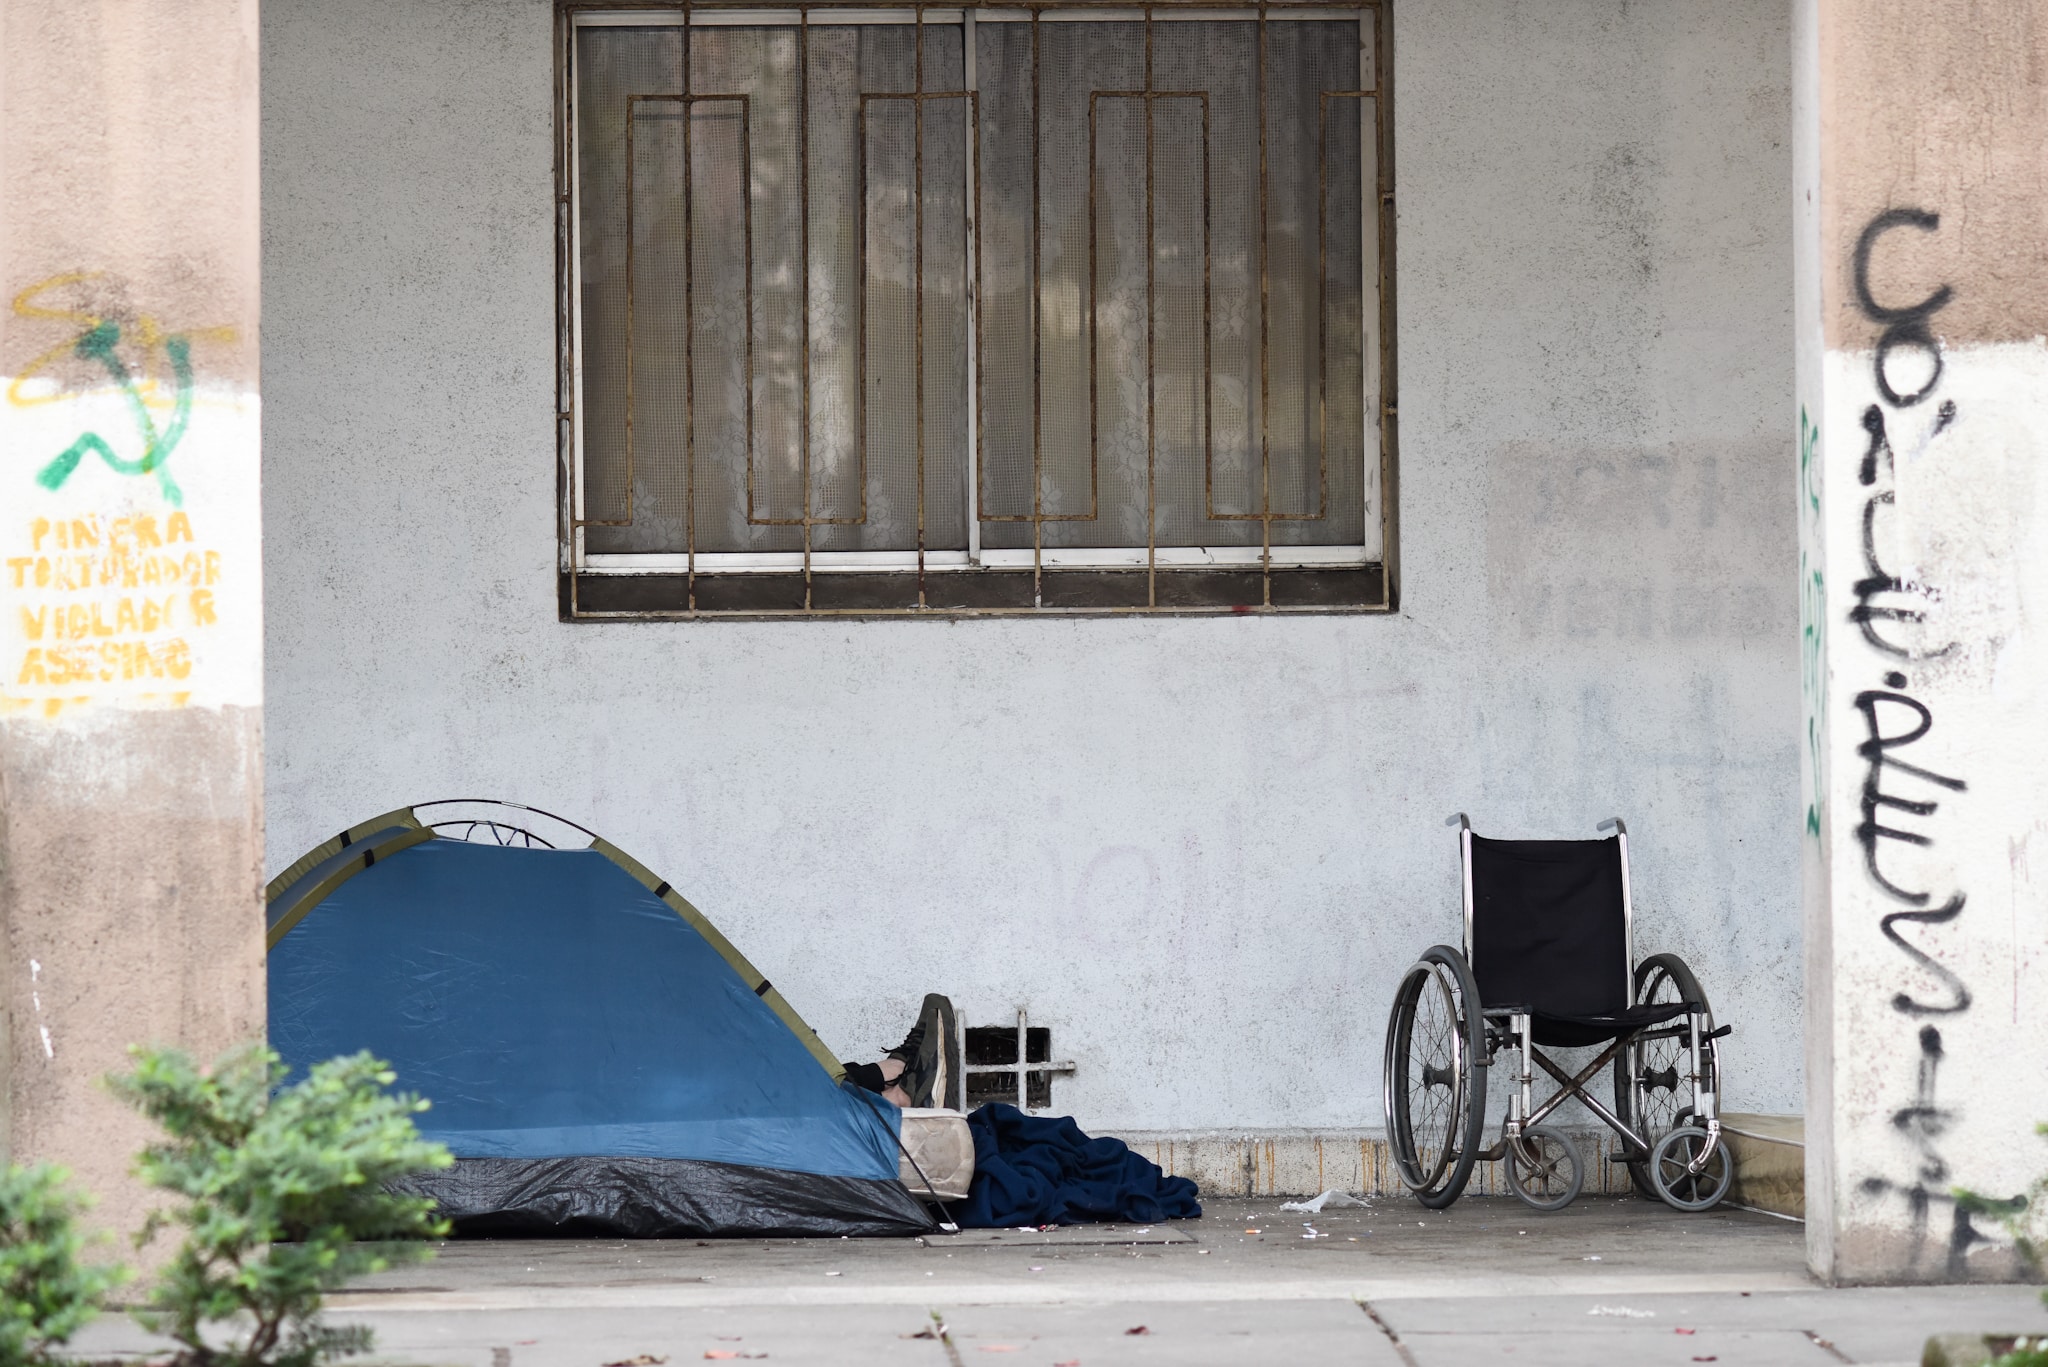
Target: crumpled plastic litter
[(1328, 1198)]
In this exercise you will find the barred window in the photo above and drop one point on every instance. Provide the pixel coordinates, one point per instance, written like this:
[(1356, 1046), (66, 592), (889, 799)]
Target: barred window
[(872, 310)]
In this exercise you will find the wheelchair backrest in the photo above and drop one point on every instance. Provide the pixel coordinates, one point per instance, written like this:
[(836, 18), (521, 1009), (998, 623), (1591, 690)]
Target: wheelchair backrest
[(1549, 924)]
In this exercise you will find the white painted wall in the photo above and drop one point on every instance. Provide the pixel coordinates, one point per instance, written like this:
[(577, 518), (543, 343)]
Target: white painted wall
[(1201, 850)]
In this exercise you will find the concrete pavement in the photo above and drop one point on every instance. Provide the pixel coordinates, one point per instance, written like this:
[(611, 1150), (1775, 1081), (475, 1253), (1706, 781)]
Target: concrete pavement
[(1608, 1280)]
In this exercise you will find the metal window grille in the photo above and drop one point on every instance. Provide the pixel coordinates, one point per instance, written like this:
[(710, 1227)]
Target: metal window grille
[(959, 311)]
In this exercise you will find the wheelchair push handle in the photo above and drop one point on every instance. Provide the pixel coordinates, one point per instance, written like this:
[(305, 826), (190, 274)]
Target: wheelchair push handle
[(1612, 823), (1459, 820)]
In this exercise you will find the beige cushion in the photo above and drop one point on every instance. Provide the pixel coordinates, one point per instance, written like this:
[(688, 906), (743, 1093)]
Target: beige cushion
[(944, 1148)]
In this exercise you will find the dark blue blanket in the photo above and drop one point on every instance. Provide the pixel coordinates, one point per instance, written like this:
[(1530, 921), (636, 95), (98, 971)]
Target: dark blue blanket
[(1039, 1170)]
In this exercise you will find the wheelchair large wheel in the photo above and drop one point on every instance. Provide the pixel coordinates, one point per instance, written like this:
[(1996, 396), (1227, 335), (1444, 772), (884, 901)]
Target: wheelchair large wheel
[(1436, 1076), (1653, 1078)]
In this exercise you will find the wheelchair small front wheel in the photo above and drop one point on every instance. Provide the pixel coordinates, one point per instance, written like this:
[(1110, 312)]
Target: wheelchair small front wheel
[(1690, 1169), (1543, 1168)]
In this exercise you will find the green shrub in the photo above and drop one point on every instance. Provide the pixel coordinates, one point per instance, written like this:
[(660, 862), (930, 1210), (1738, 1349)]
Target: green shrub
[(2027, 1352), (2022, 1217), (46, 1294), (283, 1199)]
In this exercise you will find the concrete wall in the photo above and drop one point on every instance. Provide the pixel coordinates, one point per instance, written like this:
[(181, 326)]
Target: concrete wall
[(1200, 850), (1924, 385), (131, 672)]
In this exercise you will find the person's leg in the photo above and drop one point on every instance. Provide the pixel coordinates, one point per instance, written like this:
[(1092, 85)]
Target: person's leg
[(924, 1070), (930, 1055)]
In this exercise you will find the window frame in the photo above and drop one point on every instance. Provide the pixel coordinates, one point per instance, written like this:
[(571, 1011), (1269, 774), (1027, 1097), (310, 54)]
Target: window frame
[(583, 575)]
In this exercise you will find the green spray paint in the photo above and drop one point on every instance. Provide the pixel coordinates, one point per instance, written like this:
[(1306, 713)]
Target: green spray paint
[(98, 345), (1813, 607)]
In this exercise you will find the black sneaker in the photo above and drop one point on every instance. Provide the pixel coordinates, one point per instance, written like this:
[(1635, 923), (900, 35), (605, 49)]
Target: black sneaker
[(931, 1057)]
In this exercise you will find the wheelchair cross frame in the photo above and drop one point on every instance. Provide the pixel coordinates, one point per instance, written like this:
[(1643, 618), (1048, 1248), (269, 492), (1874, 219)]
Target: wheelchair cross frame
[(1512, 1026)]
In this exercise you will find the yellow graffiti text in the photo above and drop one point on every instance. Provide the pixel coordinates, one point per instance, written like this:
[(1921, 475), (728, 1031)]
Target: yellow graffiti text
[(121, 533), (104, 603), (108, 662), (116, 570)]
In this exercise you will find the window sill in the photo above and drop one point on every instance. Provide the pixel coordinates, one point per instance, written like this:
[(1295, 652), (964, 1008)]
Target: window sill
[(584, 596)]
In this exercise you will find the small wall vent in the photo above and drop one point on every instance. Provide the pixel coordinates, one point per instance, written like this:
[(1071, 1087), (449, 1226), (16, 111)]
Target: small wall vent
[(989, 1057)]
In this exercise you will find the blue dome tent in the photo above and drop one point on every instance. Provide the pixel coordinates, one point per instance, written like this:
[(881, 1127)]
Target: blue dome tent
[(599, 1058)]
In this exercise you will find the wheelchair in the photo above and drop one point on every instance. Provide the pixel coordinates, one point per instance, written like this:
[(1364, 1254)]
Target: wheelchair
[(1549, 960)]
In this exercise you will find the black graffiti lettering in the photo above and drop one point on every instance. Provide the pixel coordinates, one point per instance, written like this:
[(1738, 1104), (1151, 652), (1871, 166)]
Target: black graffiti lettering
[(1924, 1122), (1907, 326), (1959, 995), (1880, 443), (1873, 230), (1906, 334), (1876, 754), (1892, 721), (1876, 579)]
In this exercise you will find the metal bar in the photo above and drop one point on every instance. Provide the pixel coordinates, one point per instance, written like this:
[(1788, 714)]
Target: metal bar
[(1465, 868), (689, 333), (1087, 558), (595, 13), (1094, 290), (1523, 1105), (1572, 1084), (949, 614), (803, 219), (1628, 918), (860, 346), (1577, 1087), (1323, 301), (1037, 329), (1151, 332), (746, 274), (974, 302), (1368, 226), (565, 482), (969, 77), (917, 278), (632, 107), (1265, 326), (1208, 328), (1383, 176), (568, 310)]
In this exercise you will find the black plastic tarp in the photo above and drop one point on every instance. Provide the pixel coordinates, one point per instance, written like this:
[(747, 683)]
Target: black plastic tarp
[(651, 1198)]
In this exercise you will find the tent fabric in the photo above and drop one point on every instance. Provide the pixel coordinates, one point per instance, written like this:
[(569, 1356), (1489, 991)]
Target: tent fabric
[(556, 1009), (325, 875), (659, 1198), (294, 877), (1043, 1170)]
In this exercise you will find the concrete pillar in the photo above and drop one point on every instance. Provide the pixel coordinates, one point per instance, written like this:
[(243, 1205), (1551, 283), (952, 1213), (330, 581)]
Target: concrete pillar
[(131, 633), (1922, 279)]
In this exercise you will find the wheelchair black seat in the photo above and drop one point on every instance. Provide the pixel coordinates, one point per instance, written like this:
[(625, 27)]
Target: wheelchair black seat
[(1550, 935), (1549, 960)]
